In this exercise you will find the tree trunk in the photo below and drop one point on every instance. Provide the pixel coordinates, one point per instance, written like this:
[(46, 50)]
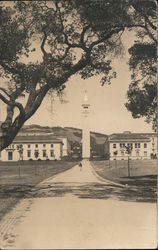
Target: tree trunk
[(7, 137), (9, 131)]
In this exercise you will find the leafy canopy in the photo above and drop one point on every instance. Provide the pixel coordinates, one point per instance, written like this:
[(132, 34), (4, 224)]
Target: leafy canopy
[(142, 92), (44, 43)]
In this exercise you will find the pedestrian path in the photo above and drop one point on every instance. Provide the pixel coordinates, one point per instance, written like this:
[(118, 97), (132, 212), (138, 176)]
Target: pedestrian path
[(76, 175), (73, 221)]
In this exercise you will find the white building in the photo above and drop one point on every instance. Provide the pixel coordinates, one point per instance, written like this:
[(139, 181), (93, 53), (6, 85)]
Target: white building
[(36, 147), (144, 146)]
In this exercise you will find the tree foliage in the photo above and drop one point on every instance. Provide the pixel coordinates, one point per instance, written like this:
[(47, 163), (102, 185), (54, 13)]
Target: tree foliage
[(142, 92), (68, 37)]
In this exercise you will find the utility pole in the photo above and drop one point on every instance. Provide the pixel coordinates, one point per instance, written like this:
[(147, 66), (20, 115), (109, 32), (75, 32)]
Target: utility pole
[(109, 161), (129, 174), (115, 153), (128, 151), (20, 151)]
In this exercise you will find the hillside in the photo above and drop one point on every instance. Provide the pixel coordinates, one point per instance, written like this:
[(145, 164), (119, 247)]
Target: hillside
[(99, 142)]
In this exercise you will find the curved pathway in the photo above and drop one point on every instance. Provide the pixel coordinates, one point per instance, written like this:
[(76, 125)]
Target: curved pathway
[(76, 174), (66, 211)]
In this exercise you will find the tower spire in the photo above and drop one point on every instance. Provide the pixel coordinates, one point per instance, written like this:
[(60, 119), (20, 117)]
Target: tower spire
[(85, 96), (85, 104)]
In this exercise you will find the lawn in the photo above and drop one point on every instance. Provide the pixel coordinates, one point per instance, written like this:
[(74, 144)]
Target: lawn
[(142, 172), (16, 179)]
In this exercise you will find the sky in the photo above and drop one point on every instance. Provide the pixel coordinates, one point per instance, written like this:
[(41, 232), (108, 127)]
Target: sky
[(108, 113)]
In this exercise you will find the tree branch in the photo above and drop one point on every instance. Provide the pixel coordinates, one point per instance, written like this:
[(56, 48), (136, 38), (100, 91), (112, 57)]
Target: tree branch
[(8, 68), (4, 91), (5, 100), (145, 16), (147, 22), (83, 35), (31, 109), (14, 104), (150, 33), (43, 44), (105, 37), (20, 107)]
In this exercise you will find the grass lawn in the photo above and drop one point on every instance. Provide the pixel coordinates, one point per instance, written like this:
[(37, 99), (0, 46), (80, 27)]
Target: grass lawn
[(142, 172), (16, 179)]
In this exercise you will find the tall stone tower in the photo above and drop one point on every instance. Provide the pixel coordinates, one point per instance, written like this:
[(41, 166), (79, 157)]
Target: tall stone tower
[(85, 129)]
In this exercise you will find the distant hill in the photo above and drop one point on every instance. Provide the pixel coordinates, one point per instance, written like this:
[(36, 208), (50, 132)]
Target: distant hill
[(99, 142)]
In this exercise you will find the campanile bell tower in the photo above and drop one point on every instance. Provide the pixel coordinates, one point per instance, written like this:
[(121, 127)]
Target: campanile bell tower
[(85, 129)]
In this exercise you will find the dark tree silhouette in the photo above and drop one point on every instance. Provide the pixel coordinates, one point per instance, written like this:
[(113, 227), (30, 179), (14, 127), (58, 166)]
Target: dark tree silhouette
[(44, 43), (142, 93)]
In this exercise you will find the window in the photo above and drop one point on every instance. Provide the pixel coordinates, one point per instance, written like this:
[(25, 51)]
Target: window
[(36, 154), (51, 145), (153, 144), (145, 145), (44, 153), (28, 145), (145, 153), (137, 145), (122, 145), (122, 153), (51, 153), (137, 153), (10, 156), (114, 145), (36, 145), (44, 145), (28, 153), (12, 145), (19, 146)]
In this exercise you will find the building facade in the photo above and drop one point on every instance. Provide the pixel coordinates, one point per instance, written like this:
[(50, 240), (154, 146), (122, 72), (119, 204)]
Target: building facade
[(142, 146), (35, 147)]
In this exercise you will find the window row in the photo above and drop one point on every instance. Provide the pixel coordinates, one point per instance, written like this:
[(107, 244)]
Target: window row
[(13, 146), (137, 153), (36, 153), (136, 145), (36, 145)]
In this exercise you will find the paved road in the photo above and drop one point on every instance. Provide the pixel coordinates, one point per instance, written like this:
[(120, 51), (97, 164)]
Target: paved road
[(75, 209)]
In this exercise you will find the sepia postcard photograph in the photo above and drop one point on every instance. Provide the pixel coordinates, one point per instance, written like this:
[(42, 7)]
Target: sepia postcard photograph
[(78, 124)]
